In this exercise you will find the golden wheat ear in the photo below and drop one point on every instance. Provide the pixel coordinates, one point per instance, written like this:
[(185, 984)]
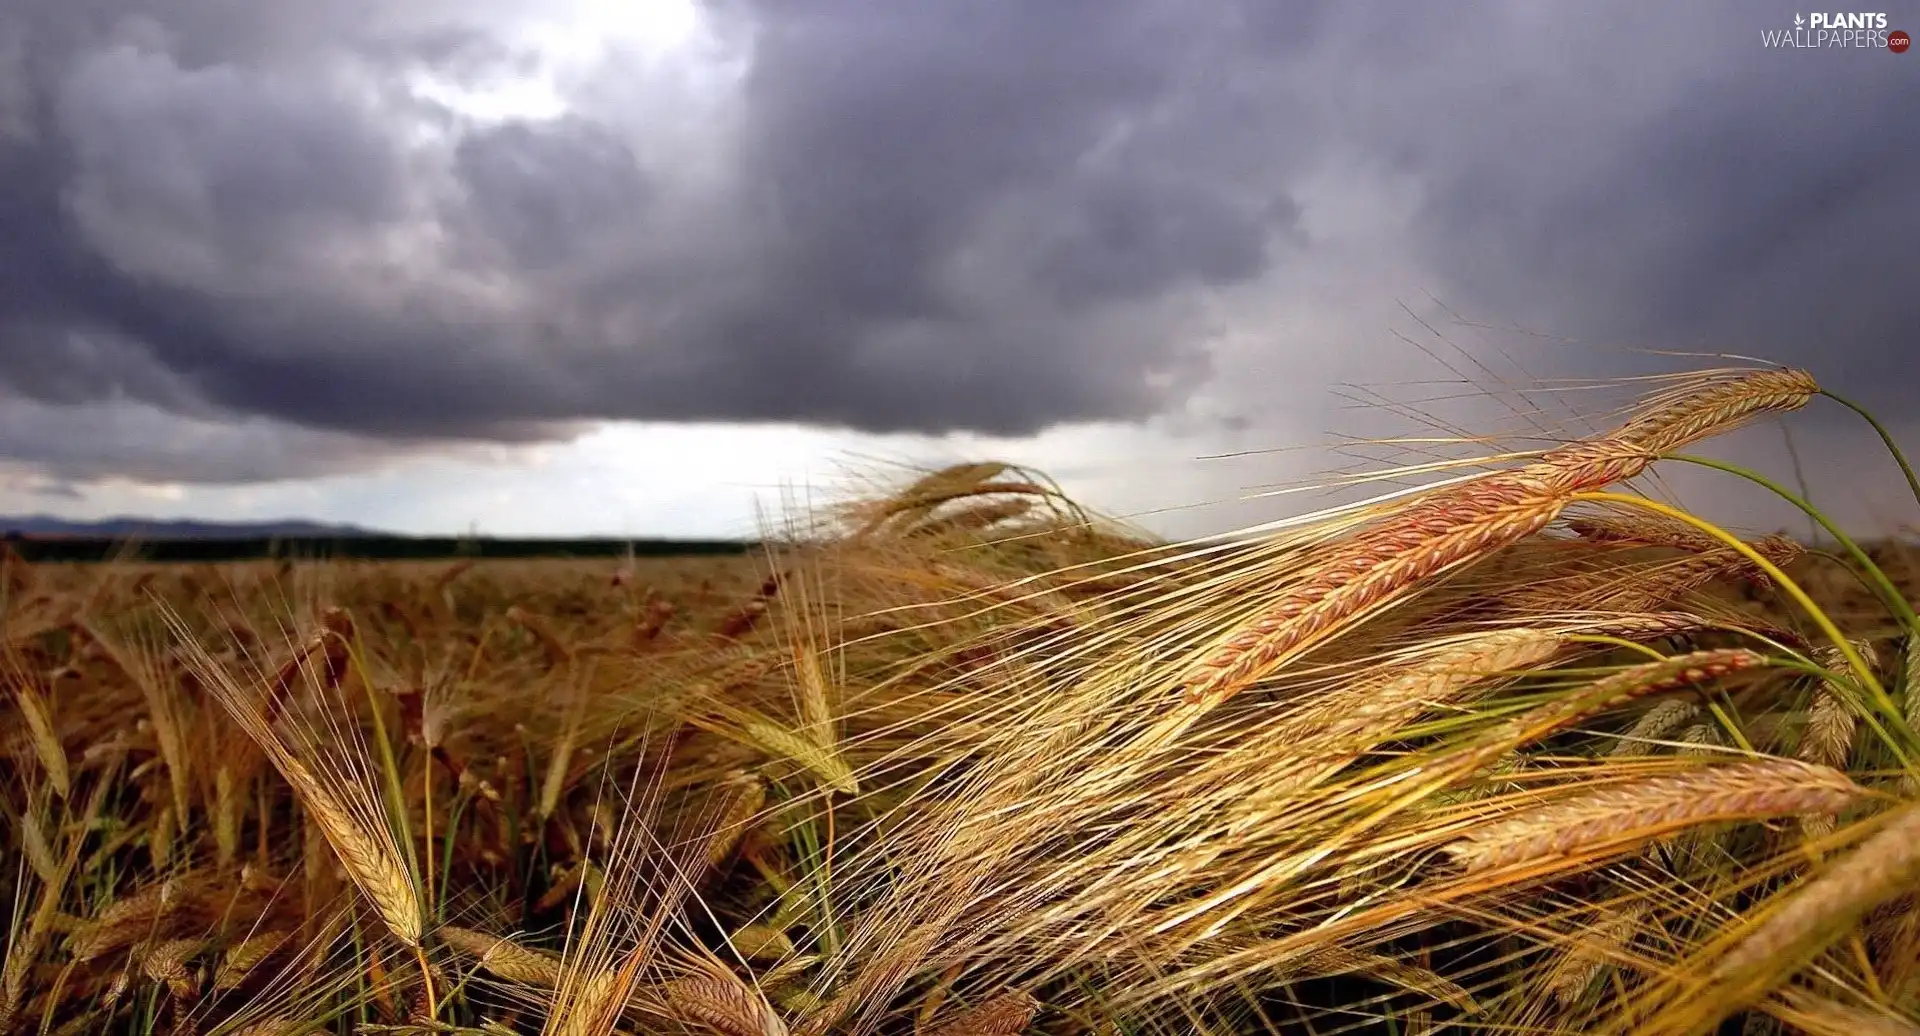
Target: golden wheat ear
[(1619, 816), (1460, 524), (717, 1001), (1814, 913), (1008, 1014), (504, 958), (331, 775)]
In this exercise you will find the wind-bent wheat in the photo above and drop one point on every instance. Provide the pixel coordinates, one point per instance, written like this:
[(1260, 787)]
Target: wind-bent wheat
[(1376, 566), (1596, 948), (1814, 1015), (504, 958), (166, 963), (1627, 685), (1466, 522), (375, 868), (359, 836), (1631, 683), (822, 761), (1649, 530), (1332, 960), (1709, 407), (761, 942), (128, 919), (1617, 817), (746, 796), (242, 957), (1008, 1014), (587, 1004), (1676, 579), (722, 1003), (1831, 725), (1442, 677), (1813, 914), (1664, 718), (40, 730)]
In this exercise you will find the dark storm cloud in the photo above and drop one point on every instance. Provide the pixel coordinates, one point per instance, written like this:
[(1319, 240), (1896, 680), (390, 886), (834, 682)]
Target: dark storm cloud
[(927, 217), (930, 220), (1651, 175), (98, 441), (537, 189)]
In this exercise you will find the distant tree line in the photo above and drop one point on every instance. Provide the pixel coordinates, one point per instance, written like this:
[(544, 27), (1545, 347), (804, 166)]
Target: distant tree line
[(373, 548)]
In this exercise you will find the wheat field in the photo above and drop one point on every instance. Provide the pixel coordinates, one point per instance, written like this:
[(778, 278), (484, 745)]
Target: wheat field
[(1524, 750)]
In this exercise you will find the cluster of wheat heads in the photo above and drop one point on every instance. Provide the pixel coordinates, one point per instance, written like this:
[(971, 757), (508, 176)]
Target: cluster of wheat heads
[(1515, 752)]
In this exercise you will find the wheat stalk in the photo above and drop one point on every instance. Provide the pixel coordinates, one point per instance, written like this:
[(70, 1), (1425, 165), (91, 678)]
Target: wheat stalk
[(361, 837), (1008, 1014), (1709, 407), (1643, 529), (40, 730), (747, 795), (555, 779), (1816, 1015), (761, 942), (722, 1003), (1811, 915), (1676, 579), (1596, 948), (588, 1004), (787, 970), (558, 653), (1441, 677), (167, 964), (1468, 521), (1831, 720), (242, 957), (816, 713), (160, 837), (1376, 567), (125, 920), (1627, 685), (1664, 718), (375, 868), (1344, 726), (503, 958), (823, 762), (1615, 817), (38, 851), (141, 660), (23, 952), (227, 803), (1331, 960)]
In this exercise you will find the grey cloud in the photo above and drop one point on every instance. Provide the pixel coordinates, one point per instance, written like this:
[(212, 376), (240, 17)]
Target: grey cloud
[(911, 227), (882, 132), (41, 487), (542, 189), (1709, 195), (96, 441), (1130, 236), (215, 169), (934, 216)]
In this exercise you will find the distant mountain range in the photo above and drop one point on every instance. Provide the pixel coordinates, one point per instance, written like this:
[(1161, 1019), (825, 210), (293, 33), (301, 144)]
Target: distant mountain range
[(39, 525)]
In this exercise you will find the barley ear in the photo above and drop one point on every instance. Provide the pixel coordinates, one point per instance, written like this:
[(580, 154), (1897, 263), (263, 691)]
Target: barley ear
[(504, 958), (722, 1004), (1008, 1014), (40, 729), (1813, 914)]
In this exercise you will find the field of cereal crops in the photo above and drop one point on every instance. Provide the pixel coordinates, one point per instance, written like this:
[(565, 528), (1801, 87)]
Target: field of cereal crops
[(1522, 752)]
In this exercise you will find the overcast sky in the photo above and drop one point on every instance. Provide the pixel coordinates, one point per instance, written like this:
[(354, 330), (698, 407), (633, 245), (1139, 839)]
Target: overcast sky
[(631, 266)]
